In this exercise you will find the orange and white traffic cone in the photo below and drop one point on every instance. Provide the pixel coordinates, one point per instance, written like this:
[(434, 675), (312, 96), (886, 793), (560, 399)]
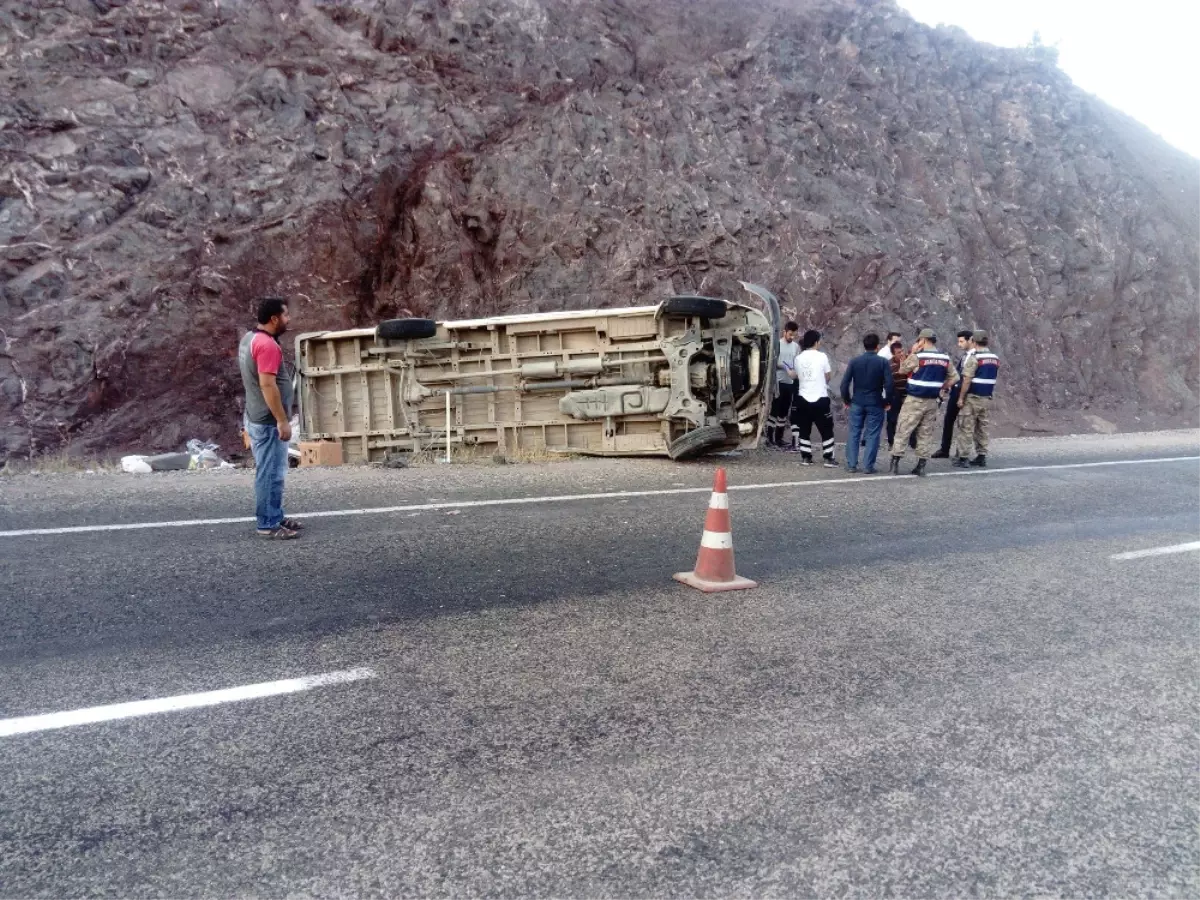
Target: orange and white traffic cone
[(714, 566)]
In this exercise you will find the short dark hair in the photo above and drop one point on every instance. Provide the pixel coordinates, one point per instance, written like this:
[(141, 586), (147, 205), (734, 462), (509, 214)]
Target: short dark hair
[(810, 339), (966, 334), (269, 307), (791, 326), (892, 334), (871, 341)]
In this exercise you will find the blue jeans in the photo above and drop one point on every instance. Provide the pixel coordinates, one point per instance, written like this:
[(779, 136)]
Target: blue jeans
[(270, 465), (870, 418)]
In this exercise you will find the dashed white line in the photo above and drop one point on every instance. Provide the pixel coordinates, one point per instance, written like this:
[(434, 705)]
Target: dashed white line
[(1158, 551), (569, 498), (90, 715)]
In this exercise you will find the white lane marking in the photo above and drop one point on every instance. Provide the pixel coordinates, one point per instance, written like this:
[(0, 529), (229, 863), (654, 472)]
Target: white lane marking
[(132, 526), (872, 479), (48, 721), (568, 498), (1091, 465), (1158, 551), (717, 540)]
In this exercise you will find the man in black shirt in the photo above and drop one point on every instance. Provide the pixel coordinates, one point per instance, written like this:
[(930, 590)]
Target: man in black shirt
[(943, 452)]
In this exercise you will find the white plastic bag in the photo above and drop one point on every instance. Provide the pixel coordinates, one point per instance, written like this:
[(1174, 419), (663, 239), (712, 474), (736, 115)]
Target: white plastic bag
[(135, 465), (204, 455)]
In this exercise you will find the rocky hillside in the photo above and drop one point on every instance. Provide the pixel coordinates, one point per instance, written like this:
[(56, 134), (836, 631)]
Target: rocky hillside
[(162, 163)]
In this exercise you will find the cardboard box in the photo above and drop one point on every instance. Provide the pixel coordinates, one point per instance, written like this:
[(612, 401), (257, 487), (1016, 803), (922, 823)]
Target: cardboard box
[(320, 453)]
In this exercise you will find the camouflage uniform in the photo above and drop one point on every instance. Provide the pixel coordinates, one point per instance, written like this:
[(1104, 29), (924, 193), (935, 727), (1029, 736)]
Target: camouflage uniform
[(971, 427), (918, 414)]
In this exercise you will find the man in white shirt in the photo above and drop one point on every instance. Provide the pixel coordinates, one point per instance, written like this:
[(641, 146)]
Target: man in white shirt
[(812, 405), (886, 350)]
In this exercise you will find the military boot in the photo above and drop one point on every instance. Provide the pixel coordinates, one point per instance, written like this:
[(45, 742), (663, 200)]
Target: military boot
[(962, 463), (894, 468), (920, 469), (979, 462)]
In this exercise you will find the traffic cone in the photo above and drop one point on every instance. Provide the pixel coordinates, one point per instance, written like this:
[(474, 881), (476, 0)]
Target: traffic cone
[(714, 566)]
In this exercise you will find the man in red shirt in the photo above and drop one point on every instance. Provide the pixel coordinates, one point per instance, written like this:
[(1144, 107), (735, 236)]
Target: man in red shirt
[(267, 380)]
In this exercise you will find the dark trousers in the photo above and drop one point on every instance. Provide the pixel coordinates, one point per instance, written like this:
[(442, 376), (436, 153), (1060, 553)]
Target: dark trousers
[(804, 416), (948, 425), (781, 409), (893, 416)]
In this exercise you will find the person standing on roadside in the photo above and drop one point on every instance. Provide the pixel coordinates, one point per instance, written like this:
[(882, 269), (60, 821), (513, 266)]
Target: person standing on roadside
[(930, 372), (812, 405), (980, 369), (952, 404), (899, 392), (887, 349), (267, 380), (871, 377), (785, 379)]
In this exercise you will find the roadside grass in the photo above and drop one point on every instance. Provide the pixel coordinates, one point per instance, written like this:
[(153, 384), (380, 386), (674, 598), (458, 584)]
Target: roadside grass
[(61, 462)]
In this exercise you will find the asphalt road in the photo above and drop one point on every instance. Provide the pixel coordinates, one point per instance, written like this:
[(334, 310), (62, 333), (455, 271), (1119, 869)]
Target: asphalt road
[(942, 687)]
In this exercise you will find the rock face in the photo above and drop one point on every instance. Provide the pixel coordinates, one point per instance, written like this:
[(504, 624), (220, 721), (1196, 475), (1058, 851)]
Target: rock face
[(164, 163)]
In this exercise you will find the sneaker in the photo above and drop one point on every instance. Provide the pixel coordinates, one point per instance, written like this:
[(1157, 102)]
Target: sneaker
[(851, 470), (869, 471), (277, 534), (292, 524), (806, 461), (831, 464)]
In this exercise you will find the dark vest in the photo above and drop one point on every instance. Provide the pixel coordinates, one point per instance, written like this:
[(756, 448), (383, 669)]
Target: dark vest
[(257, 410), (930, 375), (984, 381)]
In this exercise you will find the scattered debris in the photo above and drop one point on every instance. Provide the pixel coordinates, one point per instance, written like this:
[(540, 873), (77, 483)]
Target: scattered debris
[(395, 461), (199, 455), (135, 465), (204, 456), (320, 453)]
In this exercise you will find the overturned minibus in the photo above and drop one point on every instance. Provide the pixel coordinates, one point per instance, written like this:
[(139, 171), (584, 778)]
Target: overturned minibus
[(690, 376)]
